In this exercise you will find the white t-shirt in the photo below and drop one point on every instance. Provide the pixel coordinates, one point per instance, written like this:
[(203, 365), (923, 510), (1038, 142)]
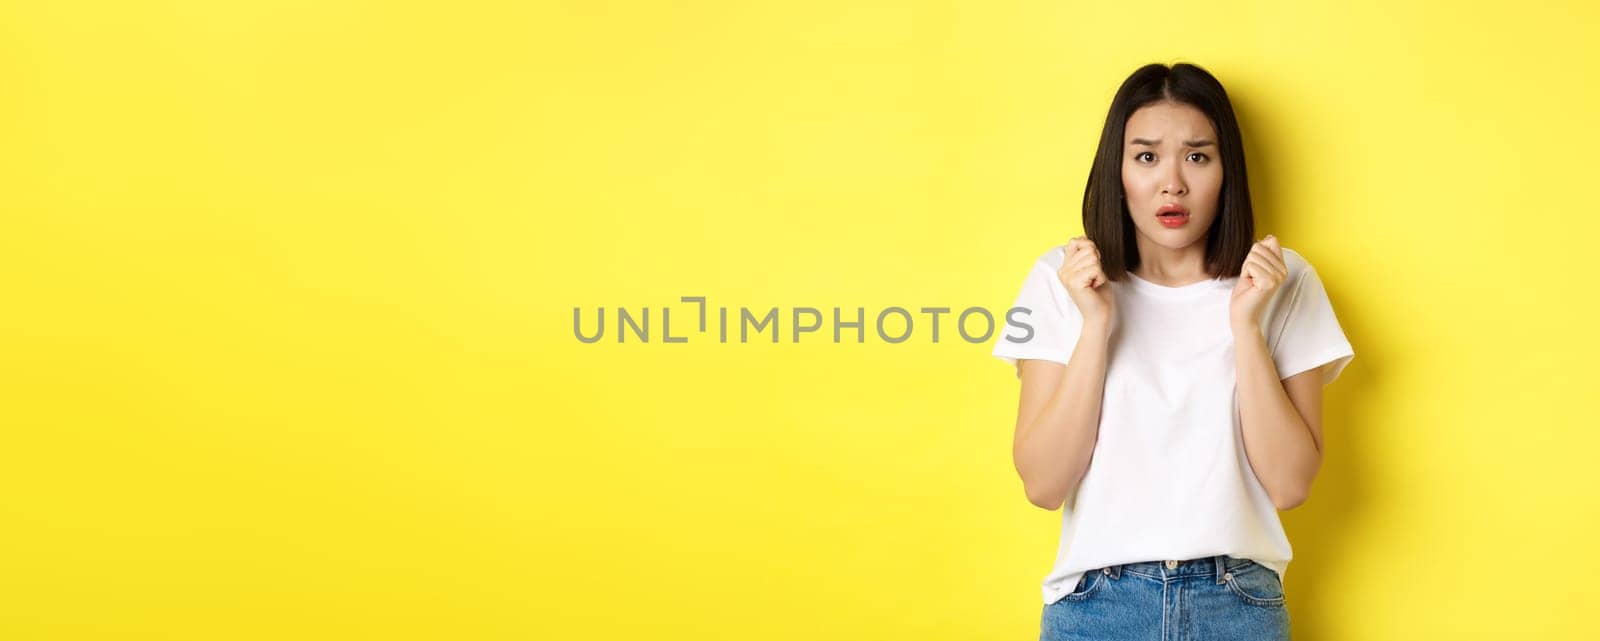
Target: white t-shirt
[(1169, 479)]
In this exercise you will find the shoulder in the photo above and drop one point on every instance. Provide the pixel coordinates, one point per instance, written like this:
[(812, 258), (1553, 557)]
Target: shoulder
[(1302, 278), (1052, 258), (1297, 264)]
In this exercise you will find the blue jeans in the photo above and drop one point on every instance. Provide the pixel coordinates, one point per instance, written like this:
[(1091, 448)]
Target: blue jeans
[(1219, 597)]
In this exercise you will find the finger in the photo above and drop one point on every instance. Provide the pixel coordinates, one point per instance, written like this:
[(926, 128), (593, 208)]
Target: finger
[(1272, 243), (1069, 274), (1270, 261), (1082, 276), (1265, 275), (1250, 273), (1100, 277), (1084, 262), (1260, 253), (1085, 259), (1262, 271), (1276, 250)]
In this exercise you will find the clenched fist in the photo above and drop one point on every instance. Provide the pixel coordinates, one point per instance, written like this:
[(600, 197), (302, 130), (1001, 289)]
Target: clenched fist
[(1086, 282), (1263, 272)]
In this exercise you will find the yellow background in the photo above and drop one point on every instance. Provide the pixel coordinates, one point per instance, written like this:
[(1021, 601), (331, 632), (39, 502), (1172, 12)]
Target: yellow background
[(288, 291)]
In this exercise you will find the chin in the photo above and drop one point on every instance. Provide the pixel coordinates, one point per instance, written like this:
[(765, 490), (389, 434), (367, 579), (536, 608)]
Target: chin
[(1172, 238)]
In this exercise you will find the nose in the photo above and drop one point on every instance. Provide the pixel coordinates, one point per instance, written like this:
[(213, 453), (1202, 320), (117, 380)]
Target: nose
[(1173, 184)]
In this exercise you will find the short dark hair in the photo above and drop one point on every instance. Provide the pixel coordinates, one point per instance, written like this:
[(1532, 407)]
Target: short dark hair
[(1105, 210)]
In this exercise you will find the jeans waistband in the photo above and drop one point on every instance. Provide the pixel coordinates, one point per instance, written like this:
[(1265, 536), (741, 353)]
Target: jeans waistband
[(1216, 567)]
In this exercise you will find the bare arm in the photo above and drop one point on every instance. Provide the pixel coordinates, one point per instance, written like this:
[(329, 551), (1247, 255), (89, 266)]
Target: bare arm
[(1058, 419), (1281, 421)]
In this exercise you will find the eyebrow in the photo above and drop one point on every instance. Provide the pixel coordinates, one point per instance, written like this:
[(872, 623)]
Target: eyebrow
[(1189, 143)]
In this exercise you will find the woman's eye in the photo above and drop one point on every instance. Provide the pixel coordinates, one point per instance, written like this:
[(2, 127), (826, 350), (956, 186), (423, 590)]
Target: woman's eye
[(1142, 154), (1202, 157)]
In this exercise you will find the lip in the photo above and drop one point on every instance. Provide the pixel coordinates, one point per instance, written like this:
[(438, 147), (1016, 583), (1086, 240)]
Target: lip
[(1172, 222)]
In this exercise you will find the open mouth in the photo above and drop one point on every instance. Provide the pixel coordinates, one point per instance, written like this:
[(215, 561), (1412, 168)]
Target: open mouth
[(1172, 215)]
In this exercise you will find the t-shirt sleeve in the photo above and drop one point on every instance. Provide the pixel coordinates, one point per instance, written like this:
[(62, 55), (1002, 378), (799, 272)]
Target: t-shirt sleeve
[(1311, 336), (1043, 323)]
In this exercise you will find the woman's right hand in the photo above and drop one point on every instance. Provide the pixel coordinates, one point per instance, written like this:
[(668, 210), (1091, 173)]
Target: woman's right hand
[(1086, 283)]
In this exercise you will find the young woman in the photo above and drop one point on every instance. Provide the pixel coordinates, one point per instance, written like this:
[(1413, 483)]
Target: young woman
[(1172, 371)]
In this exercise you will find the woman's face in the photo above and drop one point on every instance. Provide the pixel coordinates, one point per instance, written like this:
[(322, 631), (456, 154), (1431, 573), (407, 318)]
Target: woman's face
[(1170, 155)]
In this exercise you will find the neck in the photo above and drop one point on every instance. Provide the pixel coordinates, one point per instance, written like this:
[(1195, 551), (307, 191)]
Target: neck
[(1168, 266)]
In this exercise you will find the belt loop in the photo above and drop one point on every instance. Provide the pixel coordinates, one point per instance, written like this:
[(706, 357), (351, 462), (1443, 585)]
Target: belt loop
[(1222, 568)]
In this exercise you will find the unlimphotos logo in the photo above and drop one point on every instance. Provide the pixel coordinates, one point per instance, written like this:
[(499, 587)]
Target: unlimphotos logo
[(893, 324)]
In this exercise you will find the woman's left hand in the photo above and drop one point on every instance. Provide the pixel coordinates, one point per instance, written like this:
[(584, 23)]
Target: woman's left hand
[(1263, 272)]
